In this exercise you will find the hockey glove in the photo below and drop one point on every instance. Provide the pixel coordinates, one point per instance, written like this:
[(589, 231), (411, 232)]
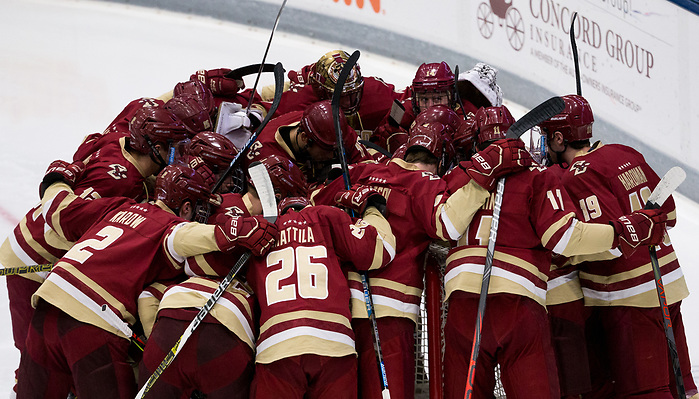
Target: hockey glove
[(641, 228), (359, 197), (216, 80), (501, 158), (253, 232), (61, 171)]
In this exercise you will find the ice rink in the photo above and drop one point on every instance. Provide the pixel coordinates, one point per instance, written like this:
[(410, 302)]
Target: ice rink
[(68, 67)]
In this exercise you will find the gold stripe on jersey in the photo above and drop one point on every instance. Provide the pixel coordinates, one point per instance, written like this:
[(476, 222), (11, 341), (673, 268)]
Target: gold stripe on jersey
[(384, 306), (233, 288), (587, 239), (55, 295), (672, 215), (471, 282), (384, 283), (99, 290), (8, 258), (291, 343), (204, 265), (644, 295), (564, 289), (459, 209), (190, 297), (28, 239), (627, 275), (506, 258), (385, 241), (194, 238), (555, 228), (305, 314)]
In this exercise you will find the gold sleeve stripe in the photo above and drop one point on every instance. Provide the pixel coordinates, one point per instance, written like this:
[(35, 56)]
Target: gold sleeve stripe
[(499, 256), (202, 264), (374, 218), (194, 239), (381, 282), (305, 314), (99, 290), (12, 255), (233, 288), (628, 275), (555, 228), (47, 203), (147, 311), (458, 210), (588, 239)]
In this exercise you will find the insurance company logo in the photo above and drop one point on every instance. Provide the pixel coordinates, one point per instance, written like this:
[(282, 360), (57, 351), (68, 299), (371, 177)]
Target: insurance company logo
[(506, 16), (375, 4)]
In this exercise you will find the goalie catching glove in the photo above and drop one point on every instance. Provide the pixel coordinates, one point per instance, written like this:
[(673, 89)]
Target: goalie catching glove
[(359, 197), (61, 171), (641, 228), (216, 80), (253, 232), (500, 158)]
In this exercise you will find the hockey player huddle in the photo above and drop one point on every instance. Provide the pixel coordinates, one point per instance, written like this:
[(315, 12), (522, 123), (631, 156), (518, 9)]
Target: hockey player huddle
[(145, 221)]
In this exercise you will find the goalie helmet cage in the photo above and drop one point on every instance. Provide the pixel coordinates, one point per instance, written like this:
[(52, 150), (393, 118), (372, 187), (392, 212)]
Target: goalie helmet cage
[(430, 330)]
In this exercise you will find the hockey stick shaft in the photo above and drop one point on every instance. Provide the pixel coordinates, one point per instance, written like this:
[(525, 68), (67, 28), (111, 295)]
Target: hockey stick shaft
[(574, 47), (456, 91), (667, 185), (264, 57), (538, 114), (13, 271), (170, 357), (368, 300), (278, 89), (485, 284)]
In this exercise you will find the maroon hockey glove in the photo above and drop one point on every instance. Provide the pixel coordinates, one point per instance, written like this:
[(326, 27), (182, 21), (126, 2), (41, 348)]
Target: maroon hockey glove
[(253, 232), (501, 158), (359, 197), (641, 228), (216, 80), (61, 171)]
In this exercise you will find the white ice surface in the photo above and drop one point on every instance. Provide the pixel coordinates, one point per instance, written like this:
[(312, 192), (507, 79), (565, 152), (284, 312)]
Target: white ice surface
[(68, 67)]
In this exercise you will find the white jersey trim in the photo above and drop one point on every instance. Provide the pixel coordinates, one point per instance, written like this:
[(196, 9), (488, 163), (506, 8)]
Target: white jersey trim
[(610, 296), (403, 307), (562, 280), (313, 332), (449, 226), (496, 271), (171, 243), (565, 239)]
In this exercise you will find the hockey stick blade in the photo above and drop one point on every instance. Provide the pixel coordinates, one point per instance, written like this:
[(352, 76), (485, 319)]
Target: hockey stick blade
[(265, 190), (278, 90), (667, 185), (239, 73), (551, 107)]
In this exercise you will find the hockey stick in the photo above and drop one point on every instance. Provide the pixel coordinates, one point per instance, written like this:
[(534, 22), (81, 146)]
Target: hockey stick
[(574, 46), (238, 73), (264, 57), (456, 91), (335, 105), (667, 185), (265, 191), (13, 271), (540, 113), (278, 90)]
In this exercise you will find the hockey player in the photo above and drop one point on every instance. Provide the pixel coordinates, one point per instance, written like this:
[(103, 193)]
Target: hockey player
[(365, 99), (605, 182), (306, 346), (308, 138), (419, 212), (81, 327), (217, 152), (218, 359), (105, 165), (535, 219)]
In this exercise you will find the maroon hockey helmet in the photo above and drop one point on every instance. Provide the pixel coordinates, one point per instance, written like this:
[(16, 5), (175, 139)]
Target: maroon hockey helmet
[(199, 90), (191, 112), (287, 179), (433, 78), (217, 152), (492, 123), (152, 125), (296, 203), (436, 138), (318, 124), (442, 114), (464, 139), (574, 123), (324, 75), (179, 183)]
